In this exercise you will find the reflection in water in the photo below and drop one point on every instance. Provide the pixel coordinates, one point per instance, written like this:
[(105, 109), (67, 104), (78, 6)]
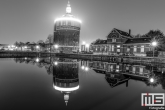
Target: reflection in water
[(65, 77), (116, 79), (119, 73), (64, 71)]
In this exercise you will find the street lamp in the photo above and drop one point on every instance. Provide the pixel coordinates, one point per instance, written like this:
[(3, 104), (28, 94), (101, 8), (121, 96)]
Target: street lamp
[(37, 47), (87, 46), (37, 59), (56, 46), (55, 63), (83, 43), (154, 44), (152, 80), (86, 68), (82, 67)]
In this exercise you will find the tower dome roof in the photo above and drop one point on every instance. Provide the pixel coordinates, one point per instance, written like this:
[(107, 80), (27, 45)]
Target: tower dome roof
[(68, 15)]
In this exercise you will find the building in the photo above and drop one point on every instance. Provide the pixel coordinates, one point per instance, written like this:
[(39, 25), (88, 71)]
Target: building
[(67, 32), (122, 43), (114, 43), (137, 46), (100, 47)]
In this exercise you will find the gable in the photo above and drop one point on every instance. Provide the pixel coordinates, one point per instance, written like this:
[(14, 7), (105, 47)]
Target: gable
[(113, 34), (116, 33)]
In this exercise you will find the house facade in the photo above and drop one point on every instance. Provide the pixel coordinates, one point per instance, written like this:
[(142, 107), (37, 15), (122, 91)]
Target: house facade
[(100, 47), (137, 46), (122, 43), (115, 41)]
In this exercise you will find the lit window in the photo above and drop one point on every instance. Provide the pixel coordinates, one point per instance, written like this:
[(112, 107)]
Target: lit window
[(112, 47), (142, 48), (134, 69), (141, 70), (118, 46), (113, 40), (128, 49), (63, 22), (109, 47), (69, 23), (135, 48), (118, 50)]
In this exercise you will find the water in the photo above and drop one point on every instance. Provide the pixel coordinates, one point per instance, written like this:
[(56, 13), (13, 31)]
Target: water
[(61, 83)]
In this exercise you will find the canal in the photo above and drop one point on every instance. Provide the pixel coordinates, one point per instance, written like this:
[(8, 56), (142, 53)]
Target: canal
[(54, 83)]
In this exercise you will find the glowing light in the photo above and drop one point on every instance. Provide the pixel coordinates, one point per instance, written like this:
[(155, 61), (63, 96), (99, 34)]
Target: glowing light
[(55, 63), (37, 59), (82, 67), (68, 8), (152, 80), (65, 89), (66, 97), (87, 45), (12, 46), (56, 46), (25, 47), (37, 47), (83, 42), (86, 68), (154, 43), (67, 18), (25, 58), (118, 45)]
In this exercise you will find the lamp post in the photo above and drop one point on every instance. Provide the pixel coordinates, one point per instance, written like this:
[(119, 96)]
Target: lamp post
[(86, 46), (37, 47), (83, 48), (154, 44), (56, 47)]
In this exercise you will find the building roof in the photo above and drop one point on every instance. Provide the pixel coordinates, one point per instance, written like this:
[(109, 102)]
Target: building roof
[(138, 40), (99, 42), (123, 33)]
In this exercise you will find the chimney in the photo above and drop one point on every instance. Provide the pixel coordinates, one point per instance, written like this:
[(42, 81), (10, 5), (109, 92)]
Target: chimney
[(129, 31)]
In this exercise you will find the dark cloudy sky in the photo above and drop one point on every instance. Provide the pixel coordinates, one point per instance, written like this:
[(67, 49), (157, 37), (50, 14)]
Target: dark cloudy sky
[(32, 20)]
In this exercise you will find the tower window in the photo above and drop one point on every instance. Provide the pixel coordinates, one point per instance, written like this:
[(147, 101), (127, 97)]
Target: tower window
[(69, 23)]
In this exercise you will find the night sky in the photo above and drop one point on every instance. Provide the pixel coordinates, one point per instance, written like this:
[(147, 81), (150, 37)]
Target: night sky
[(33, 20)]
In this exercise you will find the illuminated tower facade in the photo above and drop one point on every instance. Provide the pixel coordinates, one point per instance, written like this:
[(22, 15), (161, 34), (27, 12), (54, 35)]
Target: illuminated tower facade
[(67, 32), (65, 77)]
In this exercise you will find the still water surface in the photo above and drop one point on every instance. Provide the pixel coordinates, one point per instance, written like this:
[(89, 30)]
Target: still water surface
[(70, 84)]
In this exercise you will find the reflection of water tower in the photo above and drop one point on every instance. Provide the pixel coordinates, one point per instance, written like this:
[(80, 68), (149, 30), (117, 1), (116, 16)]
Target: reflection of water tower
[(67, 32), (65, 78)]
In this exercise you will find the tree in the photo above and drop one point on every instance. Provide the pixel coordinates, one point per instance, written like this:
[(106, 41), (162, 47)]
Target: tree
[(21, 44), (138, 36), (16, 43), (157, 34), (159, 37), (49, 40)]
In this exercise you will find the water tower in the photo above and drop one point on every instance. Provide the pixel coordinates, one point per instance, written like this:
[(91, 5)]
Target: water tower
[(67, 32)]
